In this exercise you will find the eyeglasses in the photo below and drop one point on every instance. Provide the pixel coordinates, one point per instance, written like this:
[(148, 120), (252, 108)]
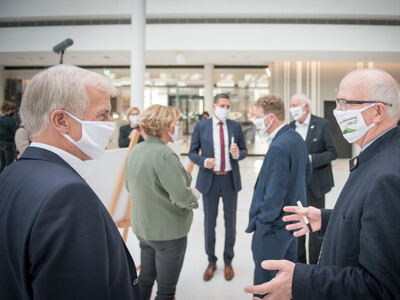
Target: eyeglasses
[(343, 103)]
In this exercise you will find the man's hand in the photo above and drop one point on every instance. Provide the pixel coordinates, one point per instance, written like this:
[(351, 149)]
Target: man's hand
[(210, 163), (313, 214), (280, 287), (234, 149)]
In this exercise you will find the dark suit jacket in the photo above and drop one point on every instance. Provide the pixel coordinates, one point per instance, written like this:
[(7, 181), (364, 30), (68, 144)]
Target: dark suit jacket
[(360, 254), (321, 145), (57, 240), (281, 182), (202, 138)]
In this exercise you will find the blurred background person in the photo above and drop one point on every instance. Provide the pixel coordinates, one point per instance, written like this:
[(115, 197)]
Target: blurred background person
[(321, 148), (126, 132), (162, 202), (205, 115), (8, 127), (22, 140)]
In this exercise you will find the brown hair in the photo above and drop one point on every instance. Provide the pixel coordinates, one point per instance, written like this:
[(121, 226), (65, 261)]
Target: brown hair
[(157, 119), (272, 104), (7, 105)]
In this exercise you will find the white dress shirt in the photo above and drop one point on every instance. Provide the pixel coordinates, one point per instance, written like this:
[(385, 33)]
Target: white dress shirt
[(302, 128), (78, 165), (217, 145), (273, 133)]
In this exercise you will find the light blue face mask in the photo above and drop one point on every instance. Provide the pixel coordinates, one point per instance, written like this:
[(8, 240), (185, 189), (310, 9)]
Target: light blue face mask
[(95, 137), (222, 114), (174, 136)]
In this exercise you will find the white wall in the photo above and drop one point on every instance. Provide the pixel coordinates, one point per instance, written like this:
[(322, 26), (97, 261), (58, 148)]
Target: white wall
[(23, 9), (208, 43)]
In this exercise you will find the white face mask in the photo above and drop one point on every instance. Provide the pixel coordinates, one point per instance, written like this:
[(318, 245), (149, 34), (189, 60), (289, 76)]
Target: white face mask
[(95, 136), (260, 125), (175, 135), (134, 119), (297, 112), (221, 113), (352, 123)]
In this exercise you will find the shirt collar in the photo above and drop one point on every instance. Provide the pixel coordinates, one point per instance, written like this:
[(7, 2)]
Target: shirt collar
[(370, 142), (81, 167), (216, 121), (306, 121), (274, 133)]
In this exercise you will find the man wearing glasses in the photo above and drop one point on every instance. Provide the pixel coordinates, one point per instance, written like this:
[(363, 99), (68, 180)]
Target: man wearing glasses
[(361, 238)]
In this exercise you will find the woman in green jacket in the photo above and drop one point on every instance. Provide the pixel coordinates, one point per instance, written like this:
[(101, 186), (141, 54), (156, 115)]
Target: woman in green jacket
[(162, 202)]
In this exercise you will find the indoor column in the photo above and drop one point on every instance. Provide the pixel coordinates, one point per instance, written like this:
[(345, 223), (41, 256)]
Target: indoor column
[(208, 87), (138, 63)]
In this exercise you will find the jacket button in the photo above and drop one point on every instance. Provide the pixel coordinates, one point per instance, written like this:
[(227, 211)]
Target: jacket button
[(135, 282)]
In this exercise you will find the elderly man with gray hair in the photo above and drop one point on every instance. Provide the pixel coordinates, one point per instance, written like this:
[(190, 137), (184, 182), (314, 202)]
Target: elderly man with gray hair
[(57, 239), (321, 148), (359, 257)]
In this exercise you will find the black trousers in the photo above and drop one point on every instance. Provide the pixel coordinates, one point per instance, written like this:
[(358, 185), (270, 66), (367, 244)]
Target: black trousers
[(222, 186), (161, 261), (315, 242)]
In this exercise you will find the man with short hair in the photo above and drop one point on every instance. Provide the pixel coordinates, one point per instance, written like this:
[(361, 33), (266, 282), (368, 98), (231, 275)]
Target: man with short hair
[(57, 239), (361, 238), (281, 182), (222, 145), (318, 135)]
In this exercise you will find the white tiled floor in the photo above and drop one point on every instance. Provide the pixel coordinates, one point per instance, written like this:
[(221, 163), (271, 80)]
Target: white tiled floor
[(191, 284)]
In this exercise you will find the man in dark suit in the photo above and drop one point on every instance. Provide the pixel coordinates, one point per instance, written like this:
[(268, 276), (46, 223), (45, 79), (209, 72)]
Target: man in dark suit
[(222, 145), (359, 254), (282, 181), (57, 239), (318, 135)]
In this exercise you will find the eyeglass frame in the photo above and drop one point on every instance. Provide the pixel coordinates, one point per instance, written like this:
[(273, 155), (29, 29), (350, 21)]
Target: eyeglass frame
[(358, 102)]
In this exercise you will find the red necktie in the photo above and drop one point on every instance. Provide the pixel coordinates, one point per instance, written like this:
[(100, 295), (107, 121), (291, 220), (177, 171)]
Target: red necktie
[(222, 142)]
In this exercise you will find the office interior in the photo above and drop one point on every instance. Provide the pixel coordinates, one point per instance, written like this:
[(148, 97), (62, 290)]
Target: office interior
[(196, 49)]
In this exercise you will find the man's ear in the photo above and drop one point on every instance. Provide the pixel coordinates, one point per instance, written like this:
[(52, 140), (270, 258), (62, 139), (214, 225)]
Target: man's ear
[(380, 113), (60, 121)]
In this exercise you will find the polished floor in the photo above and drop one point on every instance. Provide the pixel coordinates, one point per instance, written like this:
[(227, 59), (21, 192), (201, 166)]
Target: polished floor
[(191, 284)]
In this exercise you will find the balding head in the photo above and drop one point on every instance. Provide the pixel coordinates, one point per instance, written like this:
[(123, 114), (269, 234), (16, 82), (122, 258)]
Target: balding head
[(372, 85)]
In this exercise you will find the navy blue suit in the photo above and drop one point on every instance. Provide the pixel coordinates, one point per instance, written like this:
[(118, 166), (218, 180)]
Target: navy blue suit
[(360, 253), (57, 240), (322, 148), (213, 186), (281, 182)]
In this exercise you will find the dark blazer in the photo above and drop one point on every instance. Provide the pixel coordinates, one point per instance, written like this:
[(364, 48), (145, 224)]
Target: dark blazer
[(124, 132), (360, 254), (202, 138), (281, 182), (57, 240), (322, 148)]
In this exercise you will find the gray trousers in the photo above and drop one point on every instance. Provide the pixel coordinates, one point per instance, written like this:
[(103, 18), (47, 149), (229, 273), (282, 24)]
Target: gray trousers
[(161, 261)]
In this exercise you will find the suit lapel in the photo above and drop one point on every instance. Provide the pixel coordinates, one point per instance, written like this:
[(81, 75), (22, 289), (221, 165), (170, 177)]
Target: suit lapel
[(210, 133), (310, 133), (229, 133)]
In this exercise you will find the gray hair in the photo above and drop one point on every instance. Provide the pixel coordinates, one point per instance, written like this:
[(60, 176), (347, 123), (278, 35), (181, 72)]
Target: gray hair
[(303, 99), (59, 87), (386, 89)]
